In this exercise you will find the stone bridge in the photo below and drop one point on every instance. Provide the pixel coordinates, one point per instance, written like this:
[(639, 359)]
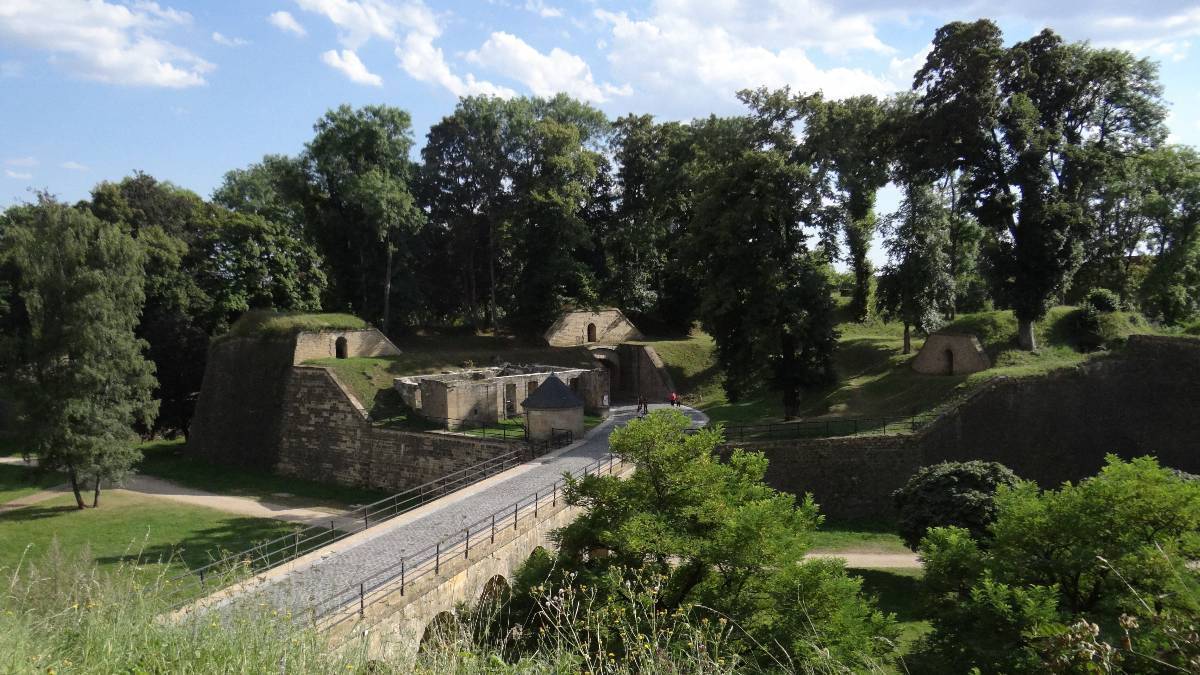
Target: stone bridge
[(387, 584)]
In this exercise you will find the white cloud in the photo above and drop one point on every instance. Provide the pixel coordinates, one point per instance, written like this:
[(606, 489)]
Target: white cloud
[(17, 174), (425, 63), (226, 41), (351, 66), (543, 10), (106, 42), (903, 70), (544, 74), (74, 166), (11, 69), (697, 56), (287, 23), (21, 161), (412, 28)]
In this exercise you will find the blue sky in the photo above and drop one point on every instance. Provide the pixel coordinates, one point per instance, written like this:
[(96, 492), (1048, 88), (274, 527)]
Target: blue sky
[(187, 90)]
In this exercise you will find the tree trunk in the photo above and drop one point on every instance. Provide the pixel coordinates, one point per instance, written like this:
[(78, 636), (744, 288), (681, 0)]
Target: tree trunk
[(492, 274), (387, 290), (1025, 337), (907, 339), (96, 493), (75, 487)]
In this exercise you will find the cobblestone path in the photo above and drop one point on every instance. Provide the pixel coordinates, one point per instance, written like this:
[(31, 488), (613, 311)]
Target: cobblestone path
[(333, 581)]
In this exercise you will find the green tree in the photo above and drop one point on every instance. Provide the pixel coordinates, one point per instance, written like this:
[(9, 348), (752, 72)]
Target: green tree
[(718, 539), (1035, 127), (849, 143), (77, 368), (1171, 291), (1092, 551), (958, 494), (917, 285), (365, 213), (772, 320)]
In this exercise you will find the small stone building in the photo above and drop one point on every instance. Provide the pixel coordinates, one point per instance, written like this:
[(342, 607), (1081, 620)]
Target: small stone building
[(487, 395), (553, 409), (585, 326), (342, 344), (951, 354)]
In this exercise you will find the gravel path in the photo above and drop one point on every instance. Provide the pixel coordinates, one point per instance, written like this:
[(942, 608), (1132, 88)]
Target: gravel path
[(333, 581)]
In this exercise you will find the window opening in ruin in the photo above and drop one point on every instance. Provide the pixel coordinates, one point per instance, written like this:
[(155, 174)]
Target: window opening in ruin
[(530, 388), (340, 348), (591, 332), (949, 362), (510, 400)]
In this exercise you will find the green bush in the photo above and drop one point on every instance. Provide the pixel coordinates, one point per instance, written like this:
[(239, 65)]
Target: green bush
[(1102, 300), (1112, 551), (959, 494)]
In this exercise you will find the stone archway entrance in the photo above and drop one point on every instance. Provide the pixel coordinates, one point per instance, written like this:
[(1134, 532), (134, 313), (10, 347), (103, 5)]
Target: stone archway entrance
[(339, 348), (591, 332)]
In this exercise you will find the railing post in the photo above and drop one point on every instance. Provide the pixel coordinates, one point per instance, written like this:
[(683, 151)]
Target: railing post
[(362, 600), (515, 507), (366, 521), (535, 504), (554, 494), (467, 546), (402, 577), (493, 527), (202, 578), (437, 558)]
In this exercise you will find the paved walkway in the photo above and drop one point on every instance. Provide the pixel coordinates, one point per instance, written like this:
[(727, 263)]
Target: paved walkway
[(334, 578), (157, 487), (873, 560)]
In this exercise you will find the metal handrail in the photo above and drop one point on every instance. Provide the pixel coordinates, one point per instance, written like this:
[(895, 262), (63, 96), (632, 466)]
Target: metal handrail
[(464, 426), (431, 558), (302, 542), (827, 428)]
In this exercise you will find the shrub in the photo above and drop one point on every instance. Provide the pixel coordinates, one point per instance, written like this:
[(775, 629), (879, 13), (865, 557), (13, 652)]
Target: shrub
[(1111, 551), (1102, 300), (959, 494)]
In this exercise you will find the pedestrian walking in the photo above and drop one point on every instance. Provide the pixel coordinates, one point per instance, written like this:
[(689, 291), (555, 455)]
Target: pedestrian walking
[(674, 399)]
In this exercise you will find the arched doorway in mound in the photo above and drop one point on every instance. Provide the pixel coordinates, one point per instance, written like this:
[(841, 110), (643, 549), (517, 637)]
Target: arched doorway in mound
[(949, 361), (591, 332), (339, 348)]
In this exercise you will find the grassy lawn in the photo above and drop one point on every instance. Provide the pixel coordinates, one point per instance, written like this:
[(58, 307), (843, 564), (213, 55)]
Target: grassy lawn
[(21, 481), (169, 460), (835, 537), (130, 526), (896, 591)]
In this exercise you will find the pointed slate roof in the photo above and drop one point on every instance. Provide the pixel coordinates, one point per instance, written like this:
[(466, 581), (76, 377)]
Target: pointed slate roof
[(552, 395)]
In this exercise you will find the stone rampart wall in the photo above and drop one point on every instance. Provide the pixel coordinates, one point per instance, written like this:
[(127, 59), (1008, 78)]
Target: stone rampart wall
[(325, 437), (643, 372)]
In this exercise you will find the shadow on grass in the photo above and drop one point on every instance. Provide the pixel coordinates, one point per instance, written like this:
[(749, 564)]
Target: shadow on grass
[(204, 546), (897, 591), (31, 513)]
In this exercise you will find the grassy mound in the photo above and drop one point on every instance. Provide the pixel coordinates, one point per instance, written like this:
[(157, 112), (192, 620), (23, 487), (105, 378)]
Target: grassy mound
[(267, 324)]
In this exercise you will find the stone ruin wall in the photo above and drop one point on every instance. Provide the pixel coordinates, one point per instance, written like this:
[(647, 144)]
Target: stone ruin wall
[(323, 344), (259, 411), (1140, 401), (326, 437)]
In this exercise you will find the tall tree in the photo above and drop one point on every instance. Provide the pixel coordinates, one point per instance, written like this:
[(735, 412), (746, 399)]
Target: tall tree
[(848, 142), (1171, 291), (917, 286), (772, 319), (1034, 127), (365, 210), (77, 368)]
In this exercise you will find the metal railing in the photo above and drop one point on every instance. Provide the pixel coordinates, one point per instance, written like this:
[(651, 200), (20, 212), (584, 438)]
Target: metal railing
[(826, 428), (281, 550), (430, 560)]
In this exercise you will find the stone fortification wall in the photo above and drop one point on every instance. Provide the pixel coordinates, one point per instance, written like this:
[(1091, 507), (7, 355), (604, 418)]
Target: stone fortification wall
[(1140, 401), (238, 415), (643, 373), (325, 437), (1143, 400), (323, 344), (850, 478), (609, 326)]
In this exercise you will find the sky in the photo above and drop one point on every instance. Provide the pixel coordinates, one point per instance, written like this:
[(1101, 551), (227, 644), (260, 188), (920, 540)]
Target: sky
[(186, 90)]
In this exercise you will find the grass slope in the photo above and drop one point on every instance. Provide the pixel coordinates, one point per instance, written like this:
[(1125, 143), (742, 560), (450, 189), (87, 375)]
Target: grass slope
[(876, 380), (169, 460), (21, 481), (267, 324), (130, 526)]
